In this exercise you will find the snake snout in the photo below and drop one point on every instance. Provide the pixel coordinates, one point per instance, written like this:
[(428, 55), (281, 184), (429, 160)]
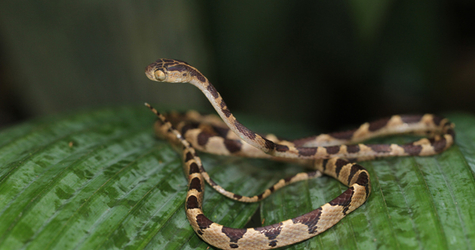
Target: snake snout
[(149, 72)]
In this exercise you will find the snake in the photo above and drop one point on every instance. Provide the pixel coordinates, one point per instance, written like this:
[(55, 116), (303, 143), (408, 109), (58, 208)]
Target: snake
[(334, 154)]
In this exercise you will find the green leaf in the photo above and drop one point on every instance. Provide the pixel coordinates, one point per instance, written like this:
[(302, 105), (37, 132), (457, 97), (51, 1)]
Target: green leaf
[(100, 180)]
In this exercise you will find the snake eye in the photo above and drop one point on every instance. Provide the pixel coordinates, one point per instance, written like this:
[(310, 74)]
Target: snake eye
[(160, 75)]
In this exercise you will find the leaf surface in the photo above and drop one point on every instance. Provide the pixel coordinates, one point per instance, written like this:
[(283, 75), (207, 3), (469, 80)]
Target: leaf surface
[(100, 180)]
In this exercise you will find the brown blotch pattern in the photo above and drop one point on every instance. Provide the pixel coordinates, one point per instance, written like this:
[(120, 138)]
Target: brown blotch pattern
[(248, 133), (307, 151), (288, 179), (309, 219), (271, 232), (412, 149), (203, 222), (192, 202), (233, 146), (194, 168), (343, 135), (437, 120), (332, 149), (281, 148), (213, 91), (352, 148), (343, 199), (223, 132), (354, 169), (339, 164), (195, 184), (312, 174), (225, 109), (300, 142), (380, 148), (196, 73), (411, 118), (373, 126), (439, 145), (270, 144), (234, 234), (188, 156), (324, 164), (363, 180), (203, 138)]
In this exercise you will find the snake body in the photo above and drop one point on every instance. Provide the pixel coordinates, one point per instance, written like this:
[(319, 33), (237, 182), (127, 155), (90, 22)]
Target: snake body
[(332, 154)]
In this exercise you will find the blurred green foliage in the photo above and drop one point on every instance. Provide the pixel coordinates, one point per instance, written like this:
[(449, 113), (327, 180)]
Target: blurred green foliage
[(314, 62)]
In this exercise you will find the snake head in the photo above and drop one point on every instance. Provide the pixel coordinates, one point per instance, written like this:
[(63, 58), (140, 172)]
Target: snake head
[(169, 70)]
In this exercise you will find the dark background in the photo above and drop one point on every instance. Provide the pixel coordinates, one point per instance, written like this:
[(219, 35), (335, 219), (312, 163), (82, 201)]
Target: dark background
[(317, 63)]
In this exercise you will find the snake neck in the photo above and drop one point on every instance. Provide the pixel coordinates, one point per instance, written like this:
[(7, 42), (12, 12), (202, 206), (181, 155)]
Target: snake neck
[(220, 106)]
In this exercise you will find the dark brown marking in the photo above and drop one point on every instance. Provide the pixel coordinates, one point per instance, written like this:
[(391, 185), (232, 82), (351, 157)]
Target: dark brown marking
[(451, 132), (354, 169), (192, 202), (363, 180), (269, 144), (343, 199), (211, 182), (412, 149), (223, 132), (437, 120), (225, 109), (195, 184), (237, 196), (233, 246), (197, 74), (378, 124), (272, 189), (187, 127), (339, 164), (213, 91), (203, 138), (351, 160), (271, 232), (234, 234), (288, 179), (300, 142), (189, 156), (309, 219), (324, 164), (233, 146), (184, 74), (178, 67), (259, 197), (439, 145), (380, 148), (411, 118), (281, 148), (343, 135), (203, 222), (353, 148), (304, 151), (373, 126), (194, 168), (312, 174), (332, 149), (248, 133), (227, 113)]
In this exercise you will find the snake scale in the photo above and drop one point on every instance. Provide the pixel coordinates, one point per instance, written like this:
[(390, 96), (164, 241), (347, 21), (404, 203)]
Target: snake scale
[(332, 154)]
